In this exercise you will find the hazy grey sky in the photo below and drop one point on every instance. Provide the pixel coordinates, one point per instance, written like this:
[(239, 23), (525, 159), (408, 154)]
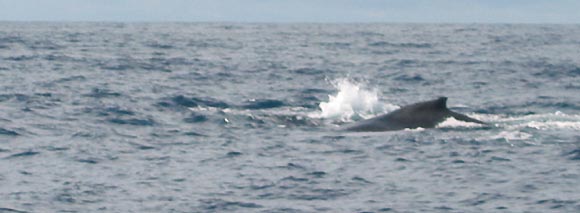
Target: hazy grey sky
[(478, 11)]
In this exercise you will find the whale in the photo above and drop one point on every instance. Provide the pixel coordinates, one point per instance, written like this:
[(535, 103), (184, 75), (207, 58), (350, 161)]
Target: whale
[(425, 114)]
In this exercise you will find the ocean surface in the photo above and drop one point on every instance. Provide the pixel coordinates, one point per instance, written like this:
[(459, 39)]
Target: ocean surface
[(216, 117)]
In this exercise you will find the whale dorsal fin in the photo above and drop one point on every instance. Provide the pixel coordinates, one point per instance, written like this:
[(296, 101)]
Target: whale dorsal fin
[(440, 103)]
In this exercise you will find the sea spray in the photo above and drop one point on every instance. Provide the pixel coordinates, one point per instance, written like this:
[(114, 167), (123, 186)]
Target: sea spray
[(353, 101)]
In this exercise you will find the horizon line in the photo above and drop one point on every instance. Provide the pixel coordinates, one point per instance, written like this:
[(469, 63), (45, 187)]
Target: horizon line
[(284, 22)]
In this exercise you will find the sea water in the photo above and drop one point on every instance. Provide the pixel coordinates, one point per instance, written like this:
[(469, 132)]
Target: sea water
[(217, 117)]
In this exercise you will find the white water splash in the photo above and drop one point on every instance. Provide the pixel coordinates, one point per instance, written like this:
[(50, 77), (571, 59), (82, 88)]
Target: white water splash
[(352, 102)]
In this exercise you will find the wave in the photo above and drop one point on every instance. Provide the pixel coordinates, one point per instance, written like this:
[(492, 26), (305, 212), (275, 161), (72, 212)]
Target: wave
[(220, 205), (263, 104), (14, 96), (133, 121), (30, 43), (554, 70), (102, 93), (109, 111), (22, 154), (181, 101), (159, 45), (516, 127), (8, 132), (546, 121), (401, 45), (310, 71), (284, 117), (410, 78), (21, 58), (574, 154), (10, 210)]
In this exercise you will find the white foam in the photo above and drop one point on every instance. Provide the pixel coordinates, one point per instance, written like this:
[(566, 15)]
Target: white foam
[(546, 121), (516, 128), (512, 136), (554, 125), (204, 109), (545, 116), (419, 129), (352, 101), (452, 122)]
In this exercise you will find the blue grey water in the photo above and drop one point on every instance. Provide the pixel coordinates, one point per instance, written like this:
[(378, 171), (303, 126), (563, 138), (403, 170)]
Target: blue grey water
[(215, 117)]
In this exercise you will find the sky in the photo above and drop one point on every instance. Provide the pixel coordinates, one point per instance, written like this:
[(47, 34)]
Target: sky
[(327, 11)]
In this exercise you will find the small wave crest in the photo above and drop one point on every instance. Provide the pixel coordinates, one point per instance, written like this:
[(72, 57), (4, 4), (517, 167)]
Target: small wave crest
[(353, 101), (546, 121), (527, 127)]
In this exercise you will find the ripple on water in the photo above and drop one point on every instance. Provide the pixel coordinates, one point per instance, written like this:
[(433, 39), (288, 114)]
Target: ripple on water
[(109, 111), (132, 121), (102, 93), (10, 210), (195, 118), (126, 64), (17, 97), (23, 154), (410, 78), (310, 71), (224, 205), (8, 132), (574, 154), (180, 101), (263, 104), (401, 45), (21, 58)]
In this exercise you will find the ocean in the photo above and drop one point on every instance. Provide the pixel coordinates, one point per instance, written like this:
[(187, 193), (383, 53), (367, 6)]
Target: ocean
[(222, 117)]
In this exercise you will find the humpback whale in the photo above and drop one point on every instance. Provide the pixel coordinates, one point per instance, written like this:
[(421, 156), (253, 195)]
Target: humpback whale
[(419, 115)]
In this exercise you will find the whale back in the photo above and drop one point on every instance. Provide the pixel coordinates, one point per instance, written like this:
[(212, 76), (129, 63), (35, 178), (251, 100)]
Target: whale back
[(425, 114)]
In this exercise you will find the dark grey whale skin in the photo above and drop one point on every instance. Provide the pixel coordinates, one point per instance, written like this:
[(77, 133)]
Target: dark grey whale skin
[(423, 114)]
